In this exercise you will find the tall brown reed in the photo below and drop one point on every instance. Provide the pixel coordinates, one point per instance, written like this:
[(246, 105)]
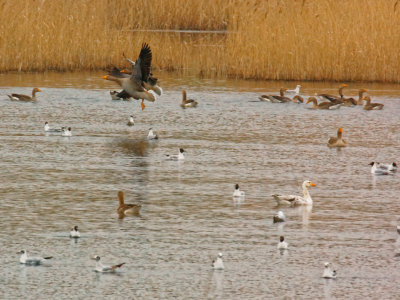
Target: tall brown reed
[(343, 40)]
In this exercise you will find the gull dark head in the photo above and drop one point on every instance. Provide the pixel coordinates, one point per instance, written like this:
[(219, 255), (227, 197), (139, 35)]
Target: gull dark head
[(181, 150), (236, 186), (21, 252), (76, 228), (45, 123), (96, 258), (371, 163), (281, 238)]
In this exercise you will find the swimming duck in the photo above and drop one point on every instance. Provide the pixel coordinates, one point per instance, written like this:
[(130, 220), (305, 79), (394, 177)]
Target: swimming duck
[(296, 90), (48, 129), (328, 272), (218, 264), (279, 217), (24, 259), (237, 192), (74, 233), (298, 99), (334, 98), (67, 132), (151, 135), (282, 245), (360, 96), (130, 122), (275, 99), (127, 209), (323, 105), (337, 141), (20, 97), (105, 269), (134, 84), (295, 199), (371, 106), (177, 157), (187, 102)]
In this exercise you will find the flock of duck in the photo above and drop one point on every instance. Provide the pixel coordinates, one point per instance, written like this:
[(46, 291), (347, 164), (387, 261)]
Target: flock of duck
[(139, 84), (327, 101)]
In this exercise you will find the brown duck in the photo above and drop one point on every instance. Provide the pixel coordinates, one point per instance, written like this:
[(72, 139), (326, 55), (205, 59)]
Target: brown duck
[(337, 141), (26, 98), (126, 209), (371, 106)]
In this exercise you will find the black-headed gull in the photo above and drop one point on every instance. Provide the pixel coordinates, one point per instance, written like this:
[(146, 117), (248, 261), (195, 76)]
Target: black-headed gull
[(24, 259), (218, 264), (74, 233), (328, 272), (103, 268)]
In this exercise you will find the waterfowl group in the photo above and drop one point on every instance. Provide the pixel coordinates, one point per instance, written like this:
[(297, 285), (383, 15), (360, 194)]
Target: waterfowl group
[(25, 98), (323, 105), (337, 141)]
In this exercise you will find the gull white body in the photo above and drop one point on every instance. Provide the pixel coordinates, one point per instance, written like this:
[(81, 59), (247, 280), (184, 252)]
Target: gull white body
[(237, 192), (296, 90), (151, 135), (48, 129), (74, 233), (104, 268), (67, 132), (180, 156), (328, 272), (279, 217), (24, 259), (282, 245), (131, 122), (218, 264)]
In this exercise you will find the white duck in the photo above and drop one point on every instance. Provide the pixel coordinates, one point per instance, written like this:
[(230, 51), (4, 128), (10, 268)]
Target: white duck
[(296, 90), (218, 264), (328, 272), (279, 217), (151, 135), (74, 233), (24, 259), (105, 269), (67, 132), (180, 156), (48, 129), (237, 192), (131, 122), (295, 199), (282, 245)]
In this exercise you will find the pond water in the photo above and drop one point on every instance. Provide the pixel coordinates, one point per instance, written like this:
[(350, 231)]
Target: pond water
[(50, 183)]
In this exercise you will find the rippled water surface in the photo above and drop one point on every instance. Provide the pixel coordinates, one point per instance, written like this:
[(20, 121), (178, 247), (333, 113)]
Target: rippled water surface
[(49, 183)]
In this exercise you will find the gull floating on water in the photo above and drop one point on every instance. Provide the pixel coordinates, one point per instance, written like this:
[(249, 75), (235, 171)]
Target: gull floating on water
[(105, 269), (294, 199), (24, 259), (279, 217), (67, 132), (130, 122), (328, 272), (382, 169), (398, 229), (282, 245), (218, 264), (237, 192), (180, 156), (296, 90), (74, 232), (151, 135), (48, 129)]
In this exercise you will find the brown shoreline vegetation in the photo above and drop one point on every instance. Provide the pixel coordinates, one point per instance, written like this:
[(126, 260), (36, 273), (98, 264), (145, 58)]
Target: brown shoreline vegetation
[(339, 40)]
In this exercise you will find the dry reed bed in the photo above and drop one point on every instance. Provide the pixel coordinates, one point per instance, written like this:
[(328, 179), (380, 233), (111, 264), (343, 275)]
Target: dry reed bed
[(343, 40)]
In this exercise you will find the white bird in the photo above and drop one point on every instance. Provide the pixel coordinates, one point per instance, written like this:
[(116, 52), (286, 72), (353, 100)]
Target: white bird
[(295, 199), (48, 129), (218, 264), (74, 232), (177, 157), (67, 132), (237, 192), (279, 217), (282, 245), (105, 269), (384, 167), (24, 259), (296, 90), (130, 122), (151, 135), (398, 229), (328, 272)]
